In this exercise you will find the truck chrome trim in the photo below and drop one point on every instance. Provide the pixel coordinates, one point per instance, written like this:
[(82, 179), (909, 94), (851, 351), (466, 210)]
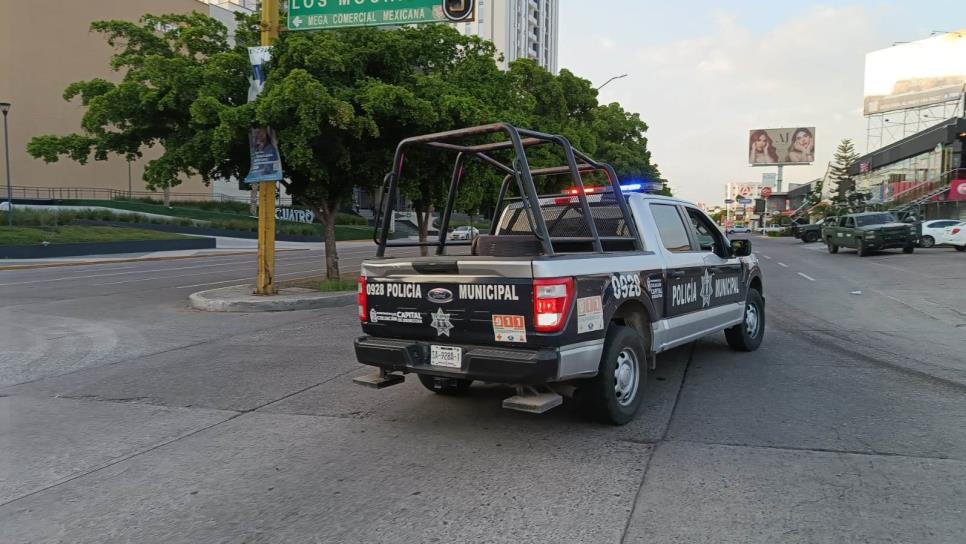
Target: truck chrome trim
[(676, 331), (580, 360)]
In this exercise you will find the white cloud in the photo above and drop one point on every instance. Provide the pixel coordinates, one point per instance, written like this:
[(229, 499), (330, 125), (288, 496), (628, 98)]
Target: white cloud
[(701, 94), (607, 43)]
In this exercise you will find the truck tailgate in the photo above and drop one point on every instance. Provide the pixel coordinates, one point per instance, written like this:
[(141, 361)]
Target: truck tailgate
[(468, 303)]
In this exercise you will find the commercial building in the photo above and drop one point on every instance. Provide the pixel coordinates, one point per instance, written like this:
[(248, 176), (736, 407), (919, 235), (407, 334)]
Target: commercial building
[(924, 173), (45, 45), (519, 29)]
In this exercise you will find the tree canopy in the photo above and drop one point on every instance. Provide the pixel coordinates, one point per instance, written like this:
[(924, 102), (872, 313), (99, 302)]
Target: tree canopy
[(339, 101)]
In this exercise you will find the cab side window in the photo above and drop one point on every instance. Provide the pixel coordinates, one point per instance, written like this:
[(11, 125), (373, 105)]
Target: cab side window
[(709, 237), (671, 228), (849, 222)]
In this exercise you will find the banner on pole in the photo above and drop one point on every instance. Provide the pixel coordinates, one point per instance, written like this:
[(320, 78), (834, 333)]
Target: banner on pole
[(262, 142)]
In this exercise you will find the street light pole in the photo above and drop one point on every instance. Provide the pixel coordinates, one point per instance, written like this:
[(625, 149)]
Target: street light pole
[(5, 109), (622, 76)]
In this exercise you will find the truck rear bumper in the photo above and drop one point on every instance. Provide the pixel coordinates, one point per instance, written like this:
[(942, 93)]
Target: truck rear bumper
[(484, 363)]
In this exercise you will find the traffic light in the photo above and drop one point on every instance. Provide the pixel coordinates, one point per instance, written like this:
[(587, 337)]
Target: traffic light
[(459, 11)]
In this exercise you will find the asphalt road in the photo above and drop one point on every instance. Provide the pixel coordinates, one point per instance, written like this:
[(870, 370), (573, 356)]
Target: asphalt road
[(125, 416)]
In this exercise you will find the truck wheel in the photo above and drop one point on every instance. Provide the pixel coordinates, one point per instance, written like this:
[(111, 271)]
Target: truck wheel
[(909, 249), (616, 393), (861, 249), (810, 237), (927, 242), (960, 248), (832, 248), (747, 335), (445, 386)]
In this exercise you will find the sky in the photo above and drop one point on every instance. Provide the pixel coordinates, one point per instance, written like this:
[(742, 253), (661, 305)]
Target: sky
[(702, 74)]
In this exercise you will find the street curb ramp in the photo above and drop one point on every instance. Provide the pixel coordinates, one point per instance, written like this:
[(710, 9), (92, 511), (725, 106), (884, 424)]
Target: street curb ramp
[(239, 298)]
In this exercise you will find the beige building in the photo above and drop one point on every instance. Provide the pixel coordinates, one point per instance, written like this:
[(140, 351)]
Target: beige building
[(44, 46), (518, 28)]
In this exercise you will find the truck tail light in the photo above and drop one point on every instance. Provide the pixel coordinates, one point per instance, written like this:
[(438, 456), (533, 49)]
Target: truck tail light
[(552, 299), (363, 304)]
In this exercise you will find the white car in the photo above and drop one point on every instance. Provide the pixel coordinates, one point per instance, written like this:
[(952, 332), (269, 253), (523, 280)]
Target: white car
[(464, 233), (933, 231), (739, 230), (955, 236)]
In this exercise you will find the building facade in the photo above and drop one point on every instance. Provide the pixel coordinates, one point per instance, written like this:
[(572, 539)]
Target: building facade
[(519, 29), (45, 45), (918, 173)]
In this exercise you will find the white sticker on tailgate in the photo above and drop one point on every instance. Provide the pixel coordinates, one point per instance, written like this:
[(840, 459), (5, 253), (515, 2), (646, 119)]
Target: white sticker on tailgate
[(447, 356), (509, 328), (590, 314)]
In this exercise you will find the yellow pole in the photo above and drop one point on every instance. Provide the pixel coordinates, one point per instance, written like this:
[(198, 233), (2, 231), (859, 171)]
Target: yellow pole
[(265, 279)]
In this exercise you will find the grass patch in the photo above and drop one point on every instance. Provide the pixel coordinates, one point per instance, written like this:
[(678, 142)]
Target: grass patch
[(25, 236), (328, 286)]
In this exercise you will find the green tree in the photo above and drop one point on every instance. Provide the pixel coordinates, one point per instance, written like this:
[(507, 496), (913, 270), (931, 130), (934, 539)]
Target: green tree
[(845, 157), (176, 70)]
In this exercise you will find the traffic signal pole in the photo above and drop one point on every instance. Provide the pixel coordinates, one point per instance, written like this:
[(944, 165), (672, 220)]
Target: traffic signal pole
[(265, 279)]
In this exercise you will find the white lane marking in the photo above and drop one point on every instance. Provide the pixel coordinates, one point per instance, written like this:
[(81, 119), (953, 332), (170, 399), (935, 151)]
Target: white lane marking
[(783, 265), (807, 277), (167, 269), (767, 257), (152, 278)]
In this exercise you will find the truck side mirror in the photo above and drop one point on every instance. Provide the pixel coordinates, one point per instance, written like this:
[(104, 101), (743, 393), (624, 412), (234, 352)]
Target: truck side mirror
[(741, 248)]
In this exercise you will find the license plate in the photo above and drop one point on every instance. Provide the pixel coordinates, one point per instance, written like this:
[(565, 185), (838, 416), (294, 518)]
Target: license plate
[(447, 356)]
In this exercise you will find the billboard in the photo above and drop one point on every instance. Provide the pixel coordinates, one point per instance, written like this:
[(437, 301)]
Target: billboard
[(735, 191), (780, 146), (916, 74)]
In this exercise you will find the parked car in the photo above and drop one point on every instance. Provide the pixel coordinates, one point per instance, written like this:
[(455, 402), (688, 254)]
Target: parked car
[(934, 231), (955, 236), (739, 230), (464, 233), (869, 231)]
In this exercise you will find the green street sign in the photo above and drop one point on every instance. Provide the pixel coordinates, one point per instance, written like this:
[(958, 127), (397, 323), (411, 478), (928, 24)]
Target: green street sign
[(331, 14)]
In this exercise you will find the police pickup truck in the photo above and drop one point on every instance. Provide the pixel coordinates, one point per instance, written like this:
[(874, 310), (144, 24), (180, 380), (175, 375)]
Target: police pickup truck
[(572, 293)]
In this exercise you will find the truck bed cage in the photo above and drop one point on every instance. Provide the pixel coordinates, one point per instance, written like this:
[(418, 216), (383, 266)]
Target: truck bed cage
[(518, 170)]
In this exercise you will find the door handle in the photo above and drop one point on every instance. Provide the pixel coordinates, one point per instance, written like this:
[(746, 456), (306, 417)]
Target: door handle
[(676, 274)]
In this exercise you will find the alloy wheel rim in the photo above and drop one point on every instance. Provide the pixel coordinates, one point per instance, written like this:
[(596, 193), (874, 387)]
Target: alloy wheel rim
[(626, 377), (752, 320)]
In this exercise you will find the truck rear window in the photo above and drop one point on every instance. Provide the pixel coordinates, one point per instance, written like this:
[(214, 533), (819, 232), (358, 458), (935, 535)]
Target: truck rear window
[(566, 219)]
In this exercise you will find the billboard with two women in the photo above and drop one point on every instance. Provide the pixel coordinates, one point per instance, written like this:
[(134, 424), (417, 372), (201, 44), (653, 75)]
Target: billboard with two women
[(780, 146)]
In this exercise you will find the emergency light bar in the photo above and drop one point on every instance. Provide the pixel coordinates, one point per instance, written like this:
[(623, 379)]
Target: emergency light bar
[(625, 187)]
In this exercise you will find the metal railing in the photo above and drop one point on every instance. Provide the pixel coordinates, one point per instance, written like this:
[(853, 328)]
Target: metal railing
[(926, 189)]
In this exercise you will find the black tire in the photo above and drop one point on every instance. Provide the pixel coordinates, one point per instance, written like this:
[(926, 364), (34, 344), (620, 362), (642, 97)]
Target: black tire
[(960, 248), (445, 386), (810, 237), (861, 249), (832, 248), (610, 397), (908, 249), (927, 242), (746, 336)]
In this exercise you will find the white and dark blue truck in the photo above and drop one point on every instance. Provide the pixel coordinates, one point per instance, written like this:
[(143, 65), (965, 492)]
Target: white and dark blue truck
[(569, 294)]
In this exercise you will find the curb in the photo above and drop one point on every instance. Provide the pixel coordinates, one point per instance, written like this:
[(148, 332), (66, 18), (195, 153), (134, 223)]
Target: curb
[(239, 298)]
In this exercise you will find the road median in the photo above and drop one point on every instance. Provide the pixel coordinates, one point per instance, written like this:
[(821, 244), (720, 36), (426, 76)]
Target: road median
[(239, 298)]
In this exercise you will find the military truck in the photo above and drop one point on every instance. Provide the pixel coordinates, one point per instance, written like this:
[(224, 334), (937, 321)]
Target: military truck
[(868, 232), (810, 233)]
